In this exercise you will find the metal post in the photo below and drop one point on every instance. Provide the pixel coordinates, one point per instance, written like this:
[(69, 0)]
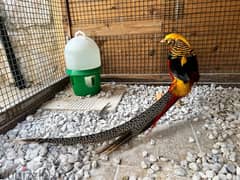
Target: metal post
[(12, 60), (69, 18)]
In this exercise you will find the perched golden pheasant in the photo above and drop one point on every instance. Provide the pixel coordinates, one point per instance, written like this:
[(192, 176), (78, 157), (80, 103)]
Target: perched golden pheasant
[(183, 69)]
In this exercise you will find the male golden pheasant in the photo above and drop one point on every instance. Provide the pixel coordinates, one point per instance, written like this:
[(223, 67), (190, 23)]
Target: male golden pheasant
[(183, 69)]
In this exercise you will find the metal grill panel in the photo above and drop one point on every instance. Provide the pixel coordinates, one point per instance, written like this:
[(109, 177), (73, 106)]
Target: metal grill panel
[(31, 49)]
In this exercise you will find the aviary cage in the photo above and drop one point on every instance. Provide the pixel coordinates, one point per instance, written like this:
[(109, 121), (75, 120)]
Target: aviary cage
[(33, 35)]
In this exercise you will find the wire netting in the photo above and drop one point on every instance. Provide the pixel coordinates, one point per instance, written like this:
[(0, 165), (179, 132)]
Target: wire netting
[(212, 27), (31, 49)]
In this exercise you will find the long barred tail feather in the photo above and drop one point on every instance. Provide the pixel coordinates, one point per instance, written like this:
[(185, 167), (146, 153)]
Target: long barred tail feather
[(125, 131)]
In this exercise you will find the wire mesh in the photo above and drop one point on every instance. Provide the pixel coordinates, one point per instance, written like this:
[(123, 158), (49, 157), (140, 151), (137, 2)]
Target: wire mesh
[(31, 49), (139, 53), (212, 27), (109, 11)]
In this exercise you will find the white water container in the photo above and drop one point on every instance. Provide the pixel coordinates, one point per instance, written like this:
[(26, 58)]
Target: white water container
[(82, 53), (83, 62)]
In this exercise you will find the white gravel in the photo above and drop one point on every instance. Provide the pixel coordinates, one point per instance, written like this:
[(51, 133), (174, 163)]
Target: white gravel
[(218, 106)]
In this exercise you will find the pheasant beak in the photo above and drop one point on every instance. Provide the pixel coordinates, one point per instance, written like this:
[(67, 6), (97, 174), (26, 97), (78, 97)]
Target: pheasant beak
[(163, 41)]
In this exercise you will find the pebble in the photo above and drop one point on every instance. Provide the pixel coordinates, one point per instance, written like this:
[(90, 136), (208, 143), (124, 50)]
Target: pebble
[(86, 167), (163, 159), (86, 174), (184, 163), (180, 171), (147, 178), (222, 176), (34, 164), (191, 157), (32, 153), (223, 170), (11, 154), (191, 140), (152, 158), (155, 167), (196, 176), (94, 164), (79, 174), (144, 153), (132, 177), (233, 156), (86, 158), (150, 171), (104, 157), (215, 151), (216, 167), (201, 154), (116, 161), (195, 119), (66, 167), (63, 159), (144, 165), (19, 161), (238, 170), (193, 166), (203, 175), (210, 174), (229, 176), (199, 161), (72, 158), (152, 142), (216, 178), (52, 171), (211, 136), (78, 165), (231, 168), (43, 150)]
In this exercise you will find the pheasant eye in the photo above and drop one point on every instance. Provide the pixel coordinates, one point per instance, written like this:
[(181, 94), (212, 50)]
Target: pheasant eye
[(168, 42)]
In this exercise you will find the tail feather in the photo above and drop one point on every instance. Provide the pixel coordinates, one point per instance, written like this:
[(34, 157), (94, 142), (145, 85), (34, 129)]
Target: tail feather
[(125, 131), (116, 144), (171, 102)]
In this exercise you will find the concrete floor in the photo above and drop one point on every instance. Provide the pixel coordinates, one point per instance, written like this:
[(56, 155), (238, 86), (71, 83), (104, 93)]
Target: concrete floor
[(172, 141)]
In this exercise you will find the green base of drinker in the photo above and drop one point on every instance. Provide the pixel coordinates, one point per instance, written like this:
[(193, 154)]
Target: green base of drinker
[(85, 82)]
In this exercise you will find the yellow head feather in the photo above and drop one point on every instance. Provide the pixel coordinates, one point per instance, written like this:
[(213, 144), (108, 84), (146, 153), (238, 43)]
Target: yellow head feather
[(176, 37)]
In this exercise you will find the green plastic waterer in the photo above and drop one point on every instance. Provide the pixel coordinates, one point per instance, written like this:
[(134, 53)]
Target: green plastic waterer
[(83, 62)]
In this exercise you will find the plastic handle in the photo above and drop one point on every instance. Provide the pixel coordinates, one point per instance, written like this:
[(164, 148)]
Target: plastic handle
[(80, 33), (89, 81)]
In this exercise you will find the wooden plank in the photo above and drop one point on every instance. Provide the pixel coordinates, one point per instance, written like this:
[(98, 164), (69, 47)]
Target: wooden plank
[(153, 26), (138, 27)]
